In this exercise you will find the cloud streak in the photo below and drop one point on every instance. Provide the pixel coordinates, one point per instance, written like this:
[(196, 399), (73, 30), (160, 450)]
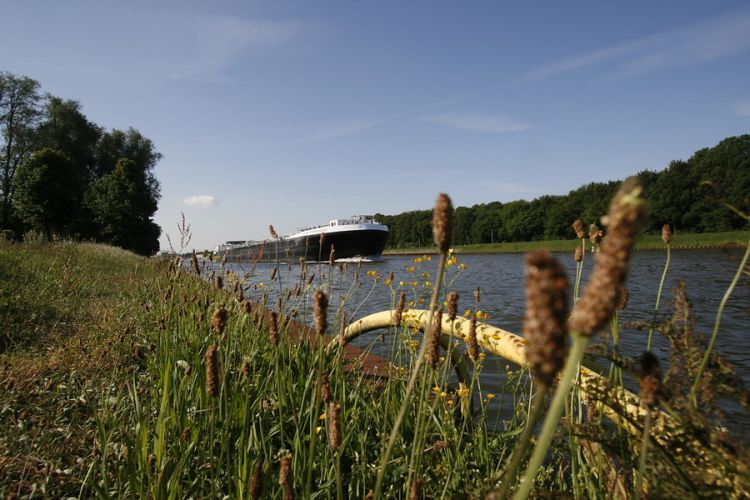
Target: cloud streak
[(724, 36), (477, 122), (216, 42), (200, 201)]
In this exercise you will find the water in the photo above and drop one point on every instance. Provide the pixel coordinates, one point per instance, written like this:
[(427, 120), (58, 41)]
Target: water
[(706, 274)]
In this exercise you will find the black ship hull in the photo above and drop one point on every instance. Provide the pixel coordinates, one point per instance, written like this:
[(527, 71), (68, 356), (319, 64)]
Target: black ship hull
[(358, 243)]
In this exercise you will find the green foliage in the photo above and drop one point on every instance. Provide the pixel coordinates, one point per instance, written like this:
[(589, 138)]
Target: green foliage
[(19, 112), (32, 124), (49, 188), (677, 195), (121, 205), (65, 128)]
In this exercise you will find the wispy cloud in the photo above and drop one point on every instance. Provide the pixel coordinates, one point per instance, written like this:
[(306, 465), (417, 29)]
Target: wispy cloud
[(703, 42), (477, 122), (200, 201), (742, 108), (215, 42)]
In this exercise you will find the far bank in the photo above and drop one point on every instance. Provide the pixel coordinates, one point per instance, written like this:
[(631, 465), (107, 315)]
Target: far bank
[(684, 241)]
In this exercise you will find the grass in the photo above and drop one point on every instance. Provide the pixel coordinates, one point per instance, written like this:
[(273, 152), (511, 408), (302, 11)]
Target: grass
[(108, 391), (680, 241)]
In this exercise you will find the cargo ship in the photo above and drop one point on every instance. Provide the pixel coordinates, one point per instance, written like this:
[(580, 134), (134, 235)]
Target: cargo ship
[(358, 237)]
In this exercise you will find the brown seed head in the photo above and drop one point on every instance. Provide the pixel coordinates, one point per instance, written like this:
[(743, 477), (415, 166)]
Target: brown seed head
[(256, 481), (666, 234), (194, 263), (332, 256), (245, 369), (471, 341), (224, 260), (274, 273), (219, 282), (325, 388), (651, 383), (478, 295), (285, 477), (452, 305), (578, 228), (545, 316), (273, 232), (442, 222), (415, 490), (399, 309), (273, 328), (611, 265), (579, 253), (623, 296), (219, 319), (433, 340), (595, 234), (334, 426), (320, 309), (212, 370)]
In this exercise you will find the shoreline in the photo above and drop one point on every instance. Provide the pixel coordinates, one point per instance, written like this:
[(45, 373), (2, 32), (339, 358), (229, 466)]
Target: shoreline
[(686, 241)]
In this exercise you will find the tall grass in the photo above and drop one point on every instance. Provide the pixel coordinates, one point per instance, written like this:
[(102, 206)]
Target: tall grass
[(147, 380)]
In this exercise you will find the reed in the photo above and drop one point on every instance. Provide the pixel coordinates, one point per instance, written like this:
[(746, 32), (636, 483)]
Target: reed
[(167, 386)]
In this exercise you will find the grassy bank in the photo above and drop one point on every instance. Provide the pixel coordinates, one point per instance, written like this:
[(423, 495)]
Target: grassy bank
[(131, 377), (644, 242)]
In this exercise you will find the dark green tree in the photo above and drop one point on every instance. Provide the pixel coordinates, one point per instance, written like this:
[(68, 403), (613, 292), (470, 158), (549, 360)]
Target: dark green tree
[(65, 128), (19, 113), (131, 144), (49, 191), (122, 207)]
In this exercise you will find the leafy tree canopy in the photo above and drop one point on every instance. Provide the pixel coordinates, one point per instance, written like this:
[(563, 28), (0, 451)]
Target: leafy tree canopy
[(49, 187), (122, 207), (690, 195)]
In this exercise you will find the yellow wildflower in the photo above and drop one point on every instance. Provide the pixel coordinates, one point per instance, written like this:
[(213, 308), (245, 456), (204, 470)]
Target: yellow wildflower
[(414, 283), (467, 313), (426, 276), (443, 394), (387, 281), (426, 258), (410, 269), (428, 283), (490, 396), (462, 266), (322, 417), (463, 392), (417, 260)]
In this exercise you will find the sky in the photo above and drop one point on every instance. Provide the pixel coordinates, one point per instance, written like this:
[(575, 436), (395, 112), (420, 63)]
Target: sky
[(293, 113)]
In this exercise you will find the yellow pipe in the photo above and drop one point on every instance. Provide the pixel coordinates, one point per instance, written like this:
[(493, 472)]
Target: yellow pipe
[(511, 347)]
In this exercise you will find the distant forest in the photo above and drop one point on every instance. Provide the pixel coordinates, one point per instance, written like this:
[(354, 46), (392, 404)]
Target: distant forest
[(688, 195), (62, 176)]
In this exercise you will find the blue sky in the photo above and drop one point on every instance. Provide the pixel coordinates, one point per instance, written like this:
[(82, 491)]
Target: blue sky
[(294, 113)]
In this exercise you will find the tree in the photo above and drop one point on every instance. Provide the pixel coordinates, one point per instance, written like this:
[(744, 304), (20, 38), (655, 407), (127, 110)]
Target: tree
[(122, 206), (49, 191), (116, 144), (19, 112), (65, 128)]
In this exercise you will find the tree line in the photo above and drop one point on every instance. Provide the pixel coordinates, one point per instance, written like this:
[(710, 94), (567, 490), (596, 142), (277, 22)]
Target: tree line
[(66, 177), (689, 195)]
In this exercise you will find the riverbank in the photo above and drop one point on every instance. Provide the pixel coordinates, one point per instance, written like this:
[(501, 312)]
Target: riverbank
[(123, 376), (687, 241)]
